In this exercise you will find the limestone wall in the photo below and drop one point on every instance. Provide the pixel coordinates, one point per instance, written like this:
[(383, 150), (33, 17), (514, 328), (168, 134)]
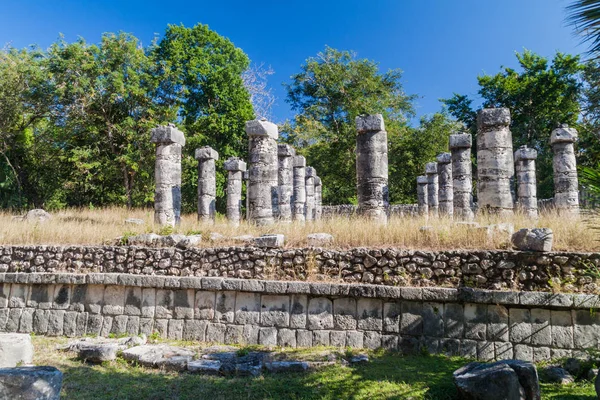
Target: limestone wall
[(567, 272), (469, 322)]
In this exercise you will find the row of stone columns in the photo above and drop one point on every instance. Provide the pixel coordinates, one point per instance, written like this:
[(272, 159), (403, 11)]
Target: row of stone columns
[(279, 185), (446, 188)]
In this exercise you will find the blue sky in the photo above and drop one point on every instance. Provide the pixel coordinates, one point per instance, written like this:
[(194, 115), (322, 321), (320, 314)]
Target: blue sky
[(441, 45)]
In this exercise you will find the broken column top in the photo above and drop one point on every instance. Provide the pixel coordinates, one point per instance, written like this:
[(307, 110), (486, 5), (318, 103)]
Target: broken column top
[(262, 128), (299, 161), (310, 171), (461, 140), (422, 180), (370, 123), (525, 153), (285, 150), (431, 168), (234, 164), (168, 134), (490, 117), (206, 153), (317, 181), (563, 134), (444, 158)]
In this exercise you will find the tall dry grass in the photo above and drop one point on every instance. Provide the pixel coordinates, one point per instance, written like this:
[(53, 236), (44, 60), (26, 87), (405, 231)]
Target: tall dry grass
[(83, 226)]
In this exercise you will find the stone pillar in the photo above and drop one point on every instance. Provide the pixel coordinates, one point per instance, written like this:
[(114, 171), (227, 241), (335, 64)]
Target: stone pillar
[(432, 189), (299, 195), (495, 162), (235, 168), (526, 182), (372, 167), (462, 175), (318, 199), (566, 194), (262, 171), (446, 192), (167, 174), (285, 153), (207, 183), (309, 183), (422, 199)]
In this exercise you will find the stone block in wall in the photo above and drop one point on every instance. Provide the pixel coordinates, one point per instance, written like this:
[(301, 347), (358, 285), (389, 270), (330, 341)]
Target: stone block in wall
[(414, 345), (69, 323), (541, 332), (454, 320), (519, 325), (114, 300), (586, 328), (55, 322), (337, 338), (247, 308), (133, 301), (119, 325), (370, 314), (146, 326), (81, 324), (392, 313), (497, 327), (250, 334), (61, 297), (204, 306), (389, 342), (304, 338), (321, 338), (40, 297), (194, 330), (450, 347), (485, 351), (164, 303), (148, 306), (18, 295), (12, 323), (40, 322), (26, 320), (78, 294), (560, 353), (133, 325), (225, 307), (267, 336), (275, 310), (94, 299), (468, 348), (234, 334), (541, 354), (286, 338), (355, 339), (161, 327), (94, 324), (344, 313), (320, 313), (411, 322), (562, 329), (523, 352), (4, 294), (3, 318), (215, 332), (183, 303), (298, 310), (503, 350), (433, 319)]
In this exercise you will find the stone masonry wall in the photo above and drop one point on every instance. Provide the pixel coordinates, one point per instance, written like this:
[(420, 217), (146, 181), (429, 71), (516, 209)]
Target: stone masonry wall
[(566, 272), (473, 323)]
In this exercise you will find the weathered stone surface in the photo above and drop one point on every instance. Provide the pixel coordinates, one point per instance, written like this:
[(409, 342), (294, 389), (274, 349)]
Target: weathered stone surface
[(422, 195), (431, 172), (285, 153), (160, 356), (235, 168), (271, 240), (207, 183), (319, 239), (37, 215), (309, 183), (15, 349), (98, 352), (446, 190), (566, 186), (555, 374), (536, 239), (167, 174), (299, 188), (28, 383), (526, 181)]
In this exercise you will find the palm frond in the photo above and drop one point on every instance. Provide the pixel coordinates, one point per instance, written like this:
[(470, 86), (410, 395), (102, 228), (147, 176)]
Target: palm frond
[(584, 15)]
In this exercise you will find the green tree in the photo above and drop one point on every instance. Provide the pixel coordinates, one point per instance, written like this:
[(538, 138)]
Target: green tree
[(328, 93), (540, 95)]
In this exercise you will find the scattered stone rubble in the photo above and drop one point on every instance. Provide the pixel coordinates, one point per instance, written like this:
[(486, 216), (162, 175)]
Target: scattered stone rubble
[(39, 383)]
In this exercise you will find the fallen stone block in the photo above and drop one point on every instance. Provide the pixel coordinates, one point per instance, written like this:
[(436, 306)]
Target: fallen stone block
[(537, 239), (556, 374), (201, 366), (286, 366), (134, 221), (28, 383), (160, 356), (276, 240), (319, 239), (97, 353), (15, 349)]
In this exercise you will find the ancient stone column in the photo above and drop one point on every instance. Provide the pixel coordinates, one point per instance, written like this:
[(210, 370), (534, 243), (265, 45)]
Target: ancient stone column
[(318, 199), (167, 174), (262, 171), (432, 189), (446, 192), (422, 199), (495, 162), (309, 183), (462, 175), (285, 153), (372, 167), (299, 194), (566, 194), (235, 169), (526, 182), (207, 183)]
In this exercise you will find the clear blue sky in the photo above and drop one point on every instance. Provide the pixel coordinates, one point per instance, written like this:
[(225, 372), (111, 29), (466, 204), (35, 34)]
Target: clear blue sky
[(441, 45)]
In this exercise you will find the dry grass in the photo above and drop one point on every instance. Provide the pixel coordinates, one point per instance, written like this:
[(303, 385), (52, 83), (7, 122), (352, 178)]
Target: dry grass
[(82, 226)]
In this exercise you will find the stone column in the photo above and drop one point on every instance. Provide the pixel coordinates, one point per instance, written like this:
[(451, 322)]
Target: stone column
[(446, 192), (526, 182), (462, 175), (235, 168), (422, 195), (207, 183), (299, 195), (318, 199), (167, 174), (372, 167), (309, 183), (432, 189), (285, 153), (566, 194), (495, 162), (262, 171)]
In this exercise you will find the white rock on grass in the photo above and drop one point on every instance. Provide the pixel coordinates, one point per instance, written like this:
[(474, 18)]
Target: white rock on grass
[(15, 349), (202, 366), (25, 383), (274, 240), (537, 239), (160, 356), (134, 221), (319, 239)]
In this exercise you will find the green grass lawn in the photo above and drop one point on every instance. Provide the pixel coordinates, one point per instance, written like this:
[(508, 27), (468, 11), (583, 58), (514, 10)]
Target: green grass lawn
[(386, 376)]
